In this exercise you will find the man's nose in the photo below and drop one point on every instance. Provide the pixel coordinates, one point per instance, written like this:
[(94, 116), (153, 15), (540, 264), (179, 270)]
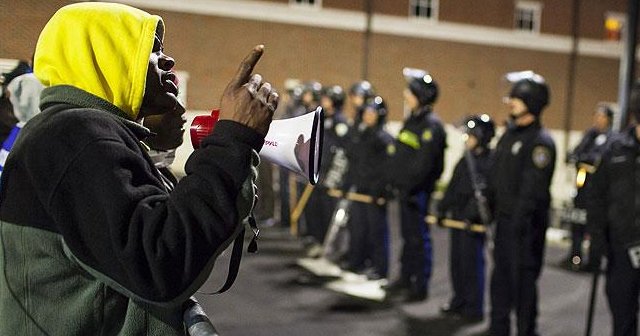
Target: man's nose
[(166, 62)]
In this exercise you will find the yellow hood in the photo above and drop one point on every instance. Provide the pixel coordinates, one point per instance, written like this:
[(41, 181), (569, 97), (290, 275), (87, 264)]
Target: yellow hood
[(101, 48)]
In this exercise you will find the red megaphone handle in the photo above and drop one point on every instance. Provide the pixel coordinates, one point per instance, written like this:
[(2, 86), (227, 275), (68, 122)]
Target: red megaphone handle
[(201, 126)]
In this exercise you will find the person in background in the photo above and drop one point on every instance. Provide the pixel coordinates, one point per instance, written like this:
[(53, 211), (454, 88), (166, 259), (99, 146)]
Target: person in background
[(24, 95), (520, 181), (414, 171), (369, 155), (7, 118), (465, 200), (586, 157), (359, 93), (334, 166), (613, 213), (90, 231)]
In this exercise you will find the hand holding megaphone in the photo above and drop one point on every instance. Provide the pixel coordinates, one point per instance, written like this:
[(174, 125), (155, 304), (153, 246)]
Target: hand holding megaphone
[(294, 143), (246, 99)]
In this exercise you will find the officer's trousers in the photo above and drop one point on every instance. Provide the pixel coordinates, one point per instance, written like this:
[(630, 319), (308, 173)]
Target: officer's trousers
[(467, 267), (623, 288), (417, 256), (369, 238), (518, 254), (318, 212)]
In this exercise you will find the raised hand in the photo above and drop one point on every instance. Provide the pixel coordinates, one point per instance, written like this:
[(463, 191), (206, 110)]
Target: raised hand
[(247, 99)]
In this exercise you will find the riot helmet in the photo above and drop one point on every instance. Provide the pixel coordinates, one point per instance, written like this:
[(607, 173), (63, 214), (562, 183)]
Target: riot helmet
[(311, 91), (362, 88), (422, 85), (336, 94), (379, 107), (481, 127), (531, 88)]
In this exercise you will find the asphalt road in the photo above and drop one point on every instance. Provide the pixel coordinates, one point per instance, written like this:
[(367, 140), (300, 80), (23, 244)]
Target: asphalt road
[(275, 296)]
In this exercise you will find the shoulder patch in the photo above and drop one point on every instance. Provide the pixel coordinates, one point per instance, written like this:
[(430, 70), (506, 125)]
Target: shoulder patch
[(427, 135), (541, 156), (391, 149), (341, 129)]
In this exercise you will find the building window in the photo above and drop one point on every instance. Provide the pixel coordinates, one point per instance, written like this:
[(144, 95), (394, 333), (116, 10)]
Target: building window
[(424, 9), (527, 16), (614, 23), (311, 3)]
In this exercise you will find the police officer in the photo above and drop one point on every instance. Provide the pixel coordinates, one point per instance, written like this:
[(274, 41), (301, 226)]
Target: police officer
[(463, 199), (359, 93), (586, 156), (368, 157), (333, 168), (524, 164), (614, 213), (416, 166)]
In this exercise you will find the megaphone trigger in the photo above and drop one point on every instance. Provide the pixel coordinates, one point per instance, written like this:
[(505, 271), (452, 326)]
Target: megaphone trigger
[(294, 143)]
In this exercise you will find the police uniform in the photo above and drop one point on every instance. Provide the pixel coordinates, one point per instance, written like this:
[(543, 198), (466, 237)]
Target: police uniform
[(588, 152), (368, 227), (417, 165), (524, 165), (467, 264), (333, 168), (614, 213)]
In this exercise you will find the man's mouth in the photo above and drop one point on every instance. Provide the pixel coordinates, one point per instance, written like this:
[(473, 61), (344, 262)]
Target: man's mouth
[(170, 83)]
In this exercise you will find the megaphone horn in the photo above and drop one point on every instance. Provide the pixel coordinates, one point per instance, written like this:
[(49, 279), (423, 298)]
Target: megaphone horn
[(293, 143)]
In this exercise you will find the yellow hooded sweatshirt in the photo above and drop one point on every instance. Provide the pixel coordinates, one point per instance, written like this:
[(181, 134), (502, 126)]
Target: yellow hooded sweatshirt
[(101, 48)]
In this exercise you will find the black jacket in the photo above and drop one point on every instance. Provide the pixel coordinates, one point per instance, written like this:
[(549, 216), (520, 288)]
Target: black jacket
[(419, 158), (614, 208), (334, 162), (459, 199), (369, 154), (523, 168), (589, 151)]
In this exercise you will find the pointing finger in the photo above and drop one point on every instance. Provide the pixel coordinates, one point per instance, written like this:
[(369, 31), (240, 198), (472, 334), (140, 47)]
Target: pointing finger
[(246, 67)]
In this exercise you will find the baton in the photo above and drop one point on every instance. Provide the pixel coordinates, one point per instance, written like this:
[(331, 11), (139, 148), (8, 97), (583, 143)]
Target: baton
[(592, 301), (456, 224)]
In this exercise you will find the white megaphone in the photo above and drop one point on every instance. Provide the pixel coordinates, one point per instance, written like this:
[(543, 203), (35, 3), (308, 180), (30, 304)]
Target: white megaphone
[(294, 143)]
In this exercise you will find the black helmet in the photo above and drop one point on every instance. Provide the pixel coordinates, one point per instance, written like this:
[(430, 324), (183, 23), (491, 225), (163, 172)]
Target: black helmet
[(481, 127), (20, 69), (531, 88), (422, 85), (336, 94), (314, 87), (379, 106), (362, 88)]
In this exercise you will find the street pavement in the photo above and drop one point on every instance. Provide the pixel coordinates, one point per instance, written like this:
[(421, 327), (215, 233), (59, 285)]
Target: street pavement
[(274, 296)]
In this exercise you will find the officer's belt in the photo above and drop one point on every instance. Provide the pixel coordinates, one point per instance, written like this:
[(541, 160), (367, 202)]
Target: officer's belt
[(357, 197), (456, 224)]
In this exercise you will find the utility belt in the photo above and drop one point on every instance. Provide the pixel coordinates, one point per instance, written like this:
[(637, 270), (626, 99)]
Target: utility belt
[(356, 197)]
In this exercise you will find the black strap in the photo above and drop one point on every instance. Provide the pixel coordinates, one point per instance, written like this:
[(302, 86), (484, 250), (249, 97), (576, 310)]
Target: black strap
[(236, 255)]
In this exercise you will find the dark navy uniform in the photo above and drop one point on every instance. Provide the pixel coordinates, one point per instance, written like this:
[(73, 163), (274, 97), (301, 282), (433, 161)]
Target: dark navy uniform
[(586, 156), (614, 213), (334, 165), (417, 165), (467, 264), (524, 165), (368, 153), (368, 227)]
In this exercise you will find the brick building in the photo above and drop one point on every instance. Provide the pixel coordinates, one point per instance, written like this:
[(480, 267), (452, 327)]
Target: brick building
[(467, 45)]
